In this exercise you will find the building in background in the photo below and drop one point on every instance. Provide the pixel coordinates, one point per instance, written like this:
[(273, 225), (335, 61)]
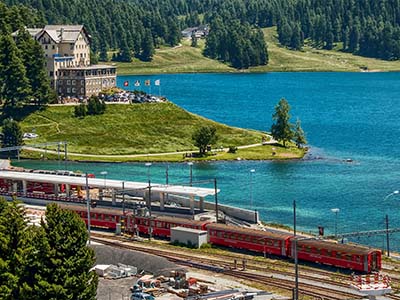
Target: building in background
[(67, 51)]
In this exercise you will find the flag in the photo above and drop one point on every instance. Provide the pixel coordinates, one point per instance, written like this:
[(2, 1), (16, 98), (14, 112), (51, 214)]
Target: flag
[(147, 82), (157, 82), (137, 83), (126, 83)]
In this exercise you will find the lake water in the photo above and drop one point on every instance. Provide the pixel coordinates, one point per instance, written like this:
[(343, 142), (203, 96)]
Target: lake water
[(345, 115)]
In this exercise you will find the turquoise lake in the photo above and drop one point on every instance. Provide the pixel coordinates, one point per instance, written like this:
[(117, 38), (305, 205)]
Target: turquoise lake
[(345, 116)]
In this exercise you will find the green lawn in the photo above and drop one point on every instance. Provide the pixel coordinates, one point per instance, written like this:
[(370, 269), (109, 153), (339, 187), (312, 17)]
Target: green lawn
[(180, 59), (141, 129), (186, 59)]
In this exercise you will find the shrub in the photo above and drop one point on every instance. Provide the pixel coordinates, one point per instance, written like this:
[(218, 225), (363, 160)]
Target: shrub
[(232, 149)]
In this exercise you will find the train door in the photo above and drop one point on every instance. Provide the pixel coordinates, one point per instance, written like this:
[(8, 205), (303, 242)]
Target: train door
[(366, 263), (374, 262)]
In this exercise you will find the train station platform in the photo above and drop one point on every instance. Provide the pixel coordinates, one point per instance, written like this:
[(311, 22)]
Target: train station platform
[(17, 182)]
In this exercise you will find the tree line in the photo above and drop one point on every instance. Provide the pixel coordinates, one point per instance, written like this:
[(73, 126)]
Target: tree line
[(236, 43), (50, 261), (133, 28)]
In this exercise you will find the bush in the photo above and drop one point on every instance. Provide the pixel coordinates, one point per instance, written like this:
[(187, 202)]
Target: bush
[(206, 246), (80, 111), (232, 149), (95, 106)]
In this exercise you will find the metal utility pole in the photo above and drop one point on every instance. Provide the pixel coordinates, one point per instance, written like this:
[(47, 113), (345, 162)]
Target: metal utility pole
[(88, 205), (190, 164), (296, 271), (216, 199), (123, 198), (150, 228), (294, 217), (387, 235)]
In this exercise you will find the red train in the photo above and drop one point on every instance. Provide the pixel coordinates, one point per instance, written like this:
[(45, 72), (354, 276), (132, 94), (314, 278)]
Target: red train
[(352, 257)]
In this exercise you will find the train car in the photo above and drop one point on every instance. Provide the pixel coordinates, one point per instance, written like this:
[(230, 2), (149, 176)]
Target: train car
[(268, 242), (99, 217), (5, 184), (346, 256), (161, 226)]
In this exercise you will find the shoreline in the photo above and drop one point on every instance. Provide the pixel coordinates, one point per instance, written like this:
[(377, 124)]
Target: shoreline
[(255, 72)]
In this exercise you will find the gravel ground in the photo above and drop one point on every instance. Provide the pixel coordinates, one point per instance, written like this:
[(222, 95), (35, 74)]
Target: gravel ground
[(149, 263), (119, 289)]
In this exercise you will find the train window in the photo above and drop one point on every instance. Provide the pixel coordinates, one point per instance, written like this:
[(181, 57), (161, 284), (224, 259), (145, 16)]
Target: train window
[(308, 249), (167, 225), (269, 242), (152, 223), (146, 222), (160, 224), (276, 244), (248, 238), (358, 258), (348, 257), (219, 234), (226, 236), (328, 253), (240, 237), (338, 255)]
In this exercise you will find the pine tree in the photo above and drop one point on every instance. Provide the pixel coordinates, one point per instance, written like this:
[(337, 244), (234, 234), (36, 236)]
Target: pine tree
[(13, 246), (65, 258), (12, 133), (194, 42), (298, 134), (281, 130), (14, 85), (33, 58), (147, 46), (103, 51)]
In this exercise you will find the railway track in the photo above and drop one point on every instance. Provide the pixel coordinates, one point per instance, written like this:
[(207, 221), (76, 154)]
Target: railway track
[(276, 267), (307, 289)]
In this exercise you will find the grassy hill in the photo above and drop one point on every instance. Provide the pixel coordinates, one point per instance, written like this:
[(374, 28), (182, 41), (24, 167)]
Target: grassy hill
[(186, 59), (140, 129)]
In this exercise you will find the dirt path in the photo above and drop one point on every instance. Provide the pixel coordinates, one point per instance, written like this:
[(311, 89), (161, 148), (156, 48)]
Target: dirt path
[(272, 141)]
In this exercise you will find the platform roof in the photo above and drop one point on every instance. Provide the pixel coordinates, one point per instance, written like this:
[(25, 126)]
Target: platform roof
[(109, 183)]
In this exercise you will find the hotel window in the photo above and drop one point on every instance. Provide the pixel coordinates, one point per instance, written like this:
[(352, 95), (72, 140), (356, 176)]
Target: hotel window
[(73, 82), (68, 82), (53, 47), (60, 90), (74, 90), (68, 90), (82, 90), (82, 82)]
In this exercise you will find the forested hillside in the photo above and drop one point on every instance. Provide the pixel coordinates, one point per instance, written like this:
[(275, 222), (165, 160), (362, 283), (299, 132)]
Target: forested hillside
[(366, 27)]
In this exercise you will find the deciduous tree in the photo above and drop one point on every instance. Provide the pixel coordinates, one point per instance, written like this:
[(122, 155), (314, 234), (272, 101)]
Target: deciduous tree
[(203, 136)]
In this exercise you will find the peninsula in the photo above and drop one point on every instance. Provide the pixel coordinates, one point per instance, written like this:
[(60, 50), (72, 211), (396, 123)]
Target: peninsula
[(144, 132)]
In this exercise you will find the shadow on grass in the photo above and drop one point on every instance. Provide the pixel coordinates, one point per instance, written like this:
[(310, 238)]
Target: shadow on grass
[(19, 113)]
